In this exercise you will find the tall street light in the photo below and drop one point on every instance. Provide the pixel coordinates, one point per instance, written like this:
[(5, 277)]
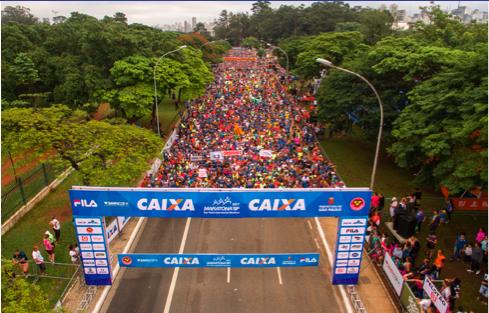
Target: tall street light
[(281, 50), (374, 169), (154, 81)]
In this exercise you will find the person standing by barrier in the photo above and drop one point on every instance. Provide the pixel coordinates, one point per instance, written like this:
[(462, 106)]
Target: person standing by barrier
[(74, 256), (476, 260), (420, 217), (439, 261), (37, 257), (20, 259), (460, 243), (56, 226), (49, 248)]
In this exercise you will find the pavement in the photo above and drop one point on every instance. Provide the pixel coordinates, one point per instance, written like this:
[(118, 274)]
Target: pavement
[(196, 290)]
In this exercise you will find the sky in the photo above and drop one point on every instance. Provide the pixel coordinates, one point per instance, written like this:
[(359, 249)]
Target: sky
[(168, 12)]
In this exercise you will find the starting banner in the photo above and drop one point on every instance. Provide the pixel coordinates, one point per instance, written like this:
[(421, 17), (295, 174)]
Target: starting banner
[(218, 260), (215, 203)]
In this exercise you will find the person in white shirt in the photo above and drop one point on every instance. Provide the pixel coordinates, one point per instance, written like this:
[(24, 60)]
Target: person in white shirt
[(74, 254), (56, 227), (37, 257)]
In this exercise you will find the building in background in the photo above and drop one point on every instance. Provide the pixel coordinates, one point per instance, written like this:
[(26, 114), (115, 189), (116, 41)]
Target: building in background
[(194, 22)]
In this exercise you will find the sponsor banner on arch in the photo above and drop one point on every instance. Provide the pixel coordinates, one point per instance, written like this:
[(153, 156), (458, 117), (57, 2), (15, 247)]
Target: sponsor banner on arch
[(218, 260), (220, 203)]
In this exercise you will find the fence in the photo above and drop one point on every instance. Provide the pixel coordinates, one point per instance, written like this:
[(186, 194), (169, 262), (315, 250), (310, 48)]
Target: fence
[(24, 188)]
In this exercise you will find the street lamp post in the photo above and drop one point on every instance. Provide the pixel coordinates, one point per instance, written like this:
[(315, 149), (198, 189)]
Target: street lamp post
[(154, 82), (377, 149), (283, 51)]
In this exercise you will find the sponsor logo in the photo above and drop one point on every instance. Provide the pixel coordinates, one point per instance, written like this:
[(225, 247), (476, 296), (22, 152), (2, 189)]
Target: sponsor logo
[(352, 230), (258, 261), (356, 246), (101, 262), (344, 239), (341, 262), (102, 270), (331, 201), (181, 260), (88, 255), (352, 270), (340, 270), (84, 203), (127, 260), (88, 263), (116, 203), (357, 204), (343, 247), (100, 255), (353, 262), (342, 255), (357, 239), (84, 238), (222, 206), (308, 260), (355, 255), (98, 238), (87, 221), (354, 222), (277, 205), (85, 246), (222, 202), (145, 204), (88, 230), (98, 246), (90, 270)]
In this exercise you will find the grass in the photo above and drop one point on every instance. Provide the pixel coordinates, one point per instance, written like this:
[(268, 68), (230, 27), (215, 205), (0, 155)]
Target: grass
[(354, 159), (166, 112), (30, 229)]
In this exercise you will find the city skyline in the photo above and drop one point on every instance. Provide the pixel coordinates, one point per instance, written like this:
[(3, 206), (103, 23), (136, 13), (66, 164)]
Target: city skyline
[(171, 12)]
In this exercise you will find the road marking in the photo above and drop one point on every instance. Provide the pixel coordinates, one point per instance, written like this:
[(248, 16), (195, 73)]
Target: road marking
[(309, 224), (279, 276), (317, 243), (177, 269), (346, 301), (229, 275)]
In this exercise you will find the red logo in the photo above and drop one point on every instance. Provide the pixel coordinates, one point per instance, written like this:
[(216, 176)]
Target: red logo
[(89, 230), (126, 260), (84, 238), (357, 204), (331, 201)]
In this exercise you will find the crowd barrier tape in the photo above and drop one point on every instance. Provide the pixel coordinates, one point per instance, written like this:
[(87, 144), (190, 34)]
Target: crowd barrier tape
[(218, 260)]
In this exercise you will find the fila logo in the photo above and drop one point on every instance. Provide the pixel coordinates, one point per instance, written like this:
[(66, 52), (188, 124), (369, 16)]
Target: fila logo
[(84, 203)]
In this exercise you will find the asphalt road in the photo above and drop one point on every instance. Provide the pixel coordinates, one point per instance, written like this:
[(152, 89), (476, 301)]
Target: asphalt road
[(299, 289)]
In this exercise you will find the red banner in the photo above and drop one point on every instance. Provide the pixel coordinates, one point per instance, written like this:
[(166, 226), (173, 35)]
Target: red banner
[(470, 204), (232, 153)]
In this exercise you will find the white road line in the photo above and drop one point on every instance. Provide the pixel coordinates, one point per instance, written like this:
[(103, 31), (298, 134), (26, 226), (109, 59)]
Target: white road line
[(317, 244), (279, 276), (309, 224), (177, 269), (229, 275), (346, 301)]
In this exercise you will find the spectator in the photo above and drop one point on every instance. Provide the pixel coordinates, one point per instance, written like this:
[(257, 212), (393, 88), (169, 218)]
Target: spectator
[(74, 256), (376, 218), (381, 201), (20, 259), (483, 290), (454, 292), (431, 242), (375, 201), (468, 253), (443, 216), (435, 221), (415, 247), (39, 260), (425, 268), (439, 261), (446, 291), (476, 259), (460, 243), (393, 207), (420, 217), (481, 234), (56, 226), (49, 248), (51, 238), (449, 209)]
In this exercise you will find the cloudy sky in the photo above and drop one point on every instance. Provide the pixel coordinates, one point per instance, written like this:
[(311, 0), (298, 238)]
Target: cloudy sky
[(168, 12)]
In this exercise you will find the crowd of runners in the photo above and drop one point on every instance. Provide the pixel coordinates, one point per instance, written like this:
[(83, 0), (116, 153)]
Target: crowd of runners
[(247, 131)]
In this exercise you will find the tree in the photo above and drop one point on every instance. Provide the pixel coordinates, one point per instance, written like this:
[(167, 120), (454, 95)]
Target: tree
[(201, 29), (102, 153), (251, 42), (20, 296), (18, 14)]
